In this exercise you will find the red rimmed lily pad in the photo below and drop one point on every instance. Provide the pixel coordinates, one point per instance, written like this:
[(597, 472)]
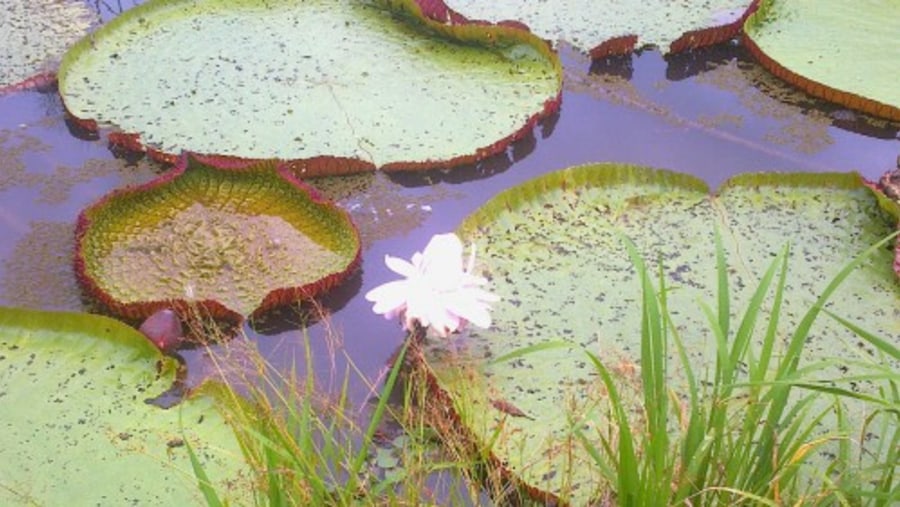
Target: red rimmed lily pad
[(334, 87), (844, 52), (34, 35), (605, 28), (235, 239)]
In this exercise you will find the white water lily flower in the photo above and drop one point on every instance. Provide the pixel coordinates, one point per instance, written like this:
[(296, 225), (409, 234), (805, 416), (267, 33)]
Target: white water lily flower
[(437, 291)]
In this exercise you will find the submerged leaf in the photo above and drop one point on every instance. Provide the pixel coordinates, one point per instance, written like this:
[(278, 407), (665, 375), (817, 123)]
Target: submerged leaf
[(164, 329), (336, 86)]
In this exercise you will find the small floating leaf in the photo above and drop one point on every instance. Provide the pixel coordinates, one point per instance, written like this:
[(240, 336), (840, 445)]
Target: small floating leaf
[(237, 241)]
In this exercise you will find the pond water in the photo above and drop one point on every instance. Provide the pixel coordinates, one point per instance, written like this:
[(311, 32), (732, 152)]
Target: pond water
[(712, 113)]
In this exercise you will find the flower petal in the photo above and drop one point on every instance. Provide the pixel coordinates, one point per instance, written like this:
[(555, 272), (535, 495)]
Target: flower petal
[(479, 315), (400, 266), (438, 291), (470, 279), (388, 296), (444, 251), (469, 308), (482, 295), (471, 266), (445, 322), (417, 261)]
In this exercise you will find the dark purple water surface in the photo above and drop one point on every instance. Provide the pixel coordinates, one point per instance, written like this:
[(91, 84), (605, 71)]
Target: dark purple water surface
[(712, 114)]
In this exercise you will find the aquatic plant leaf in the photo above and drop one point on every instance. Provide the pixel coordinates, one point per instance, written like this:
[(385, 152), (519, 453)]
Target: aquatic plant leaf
[(845, 52), (337, 86), (553, 251), (34, 35), (233, 239), (76, 429), (610, 27)]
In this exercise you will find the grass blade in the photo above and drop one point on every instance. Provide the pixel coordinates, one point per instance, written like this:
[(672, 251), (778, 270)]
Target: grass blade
[(203, 482)]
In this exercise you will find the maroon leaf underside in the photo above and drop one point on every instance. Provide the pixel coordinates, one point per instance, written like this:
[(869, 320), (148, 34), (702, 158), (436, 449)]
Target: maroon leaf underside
[(889, 185), (40, 82)]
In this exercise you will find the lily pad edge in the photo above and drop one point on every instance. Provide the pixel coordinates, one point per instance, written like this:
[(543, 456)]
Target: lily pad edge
[(616, 46)]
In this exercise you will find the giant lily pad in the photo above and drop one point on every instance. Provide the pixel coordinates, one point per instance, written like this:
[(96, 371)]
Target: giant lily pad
[(611, 27), (35, 34), (76, 429), (335, 85), (846, 52), (552, 248), (233, 240)]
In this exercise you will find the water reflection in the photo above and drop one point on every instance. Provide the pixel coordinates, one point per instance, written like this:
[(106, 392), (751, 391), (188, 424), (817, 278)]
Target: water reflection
[(753, 77), (617, 66), (495, 164), (548, 124), (487, 168), (79, 132), (109, 9), (685, 65), (296, 317)]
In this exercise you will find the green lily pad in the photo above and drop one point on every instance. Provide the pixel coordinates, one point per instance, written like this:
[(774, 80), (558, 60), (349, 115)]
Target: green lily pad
[(610, 27), (845, 52), (553, 251), (35, 34), (76, 429), (335, 85), (234, 240)]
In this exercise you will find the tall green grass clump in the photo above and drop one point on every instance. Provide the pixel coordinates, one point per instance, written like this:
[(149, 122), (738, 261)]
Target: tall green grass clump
[(309, 448), (745, 429)]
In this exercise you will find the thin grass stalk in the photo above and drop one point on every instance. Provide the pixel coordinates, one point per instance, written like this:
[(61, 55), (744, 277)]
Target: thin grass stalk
[(734, 450), (654, 357), (203, 483), (778, 395), (879, 343), (626, 461), (357, 463)]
